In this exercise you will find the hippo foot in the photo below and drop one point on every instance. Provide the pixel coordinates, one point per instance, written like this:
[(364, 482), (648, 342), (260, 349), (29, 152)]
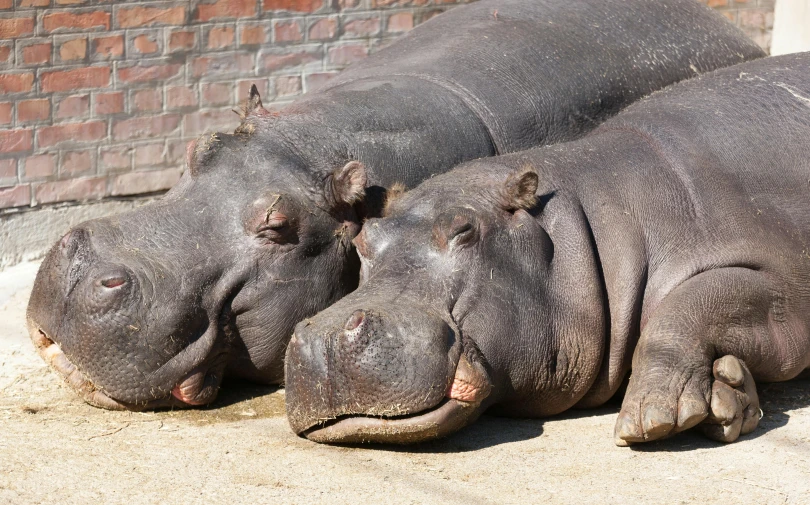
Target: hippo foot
[(651, 410)]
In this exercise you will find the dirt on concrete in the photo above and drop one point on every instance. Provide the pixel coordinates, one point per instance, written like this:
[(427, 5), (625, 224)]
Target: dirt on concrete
[(56, 449)]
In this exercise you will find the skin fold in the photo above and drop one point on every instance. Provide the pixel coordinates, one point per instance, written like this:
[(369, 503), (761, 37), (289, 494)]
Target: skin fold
[(670, 245), (152, 308)]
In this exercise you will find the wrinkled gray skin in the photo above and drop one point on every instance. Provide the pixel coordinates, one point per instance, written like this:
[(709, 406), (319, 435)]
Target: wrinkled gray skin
[(675, 236), (152, 308)]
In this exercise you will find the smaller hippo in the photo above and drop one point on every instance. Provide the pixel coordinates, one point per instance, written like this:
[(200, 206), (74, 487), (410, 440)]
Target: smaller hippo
[(677, 235)]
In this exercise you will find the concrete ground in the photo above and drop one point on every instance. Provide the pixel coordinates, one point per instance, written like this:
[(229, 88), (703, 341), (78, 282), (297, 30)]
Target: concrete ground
[(56, 449)]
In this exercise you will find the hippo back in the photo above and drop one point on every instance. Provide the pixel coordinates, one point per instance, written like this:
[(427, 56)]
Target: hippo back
[(544, 71)]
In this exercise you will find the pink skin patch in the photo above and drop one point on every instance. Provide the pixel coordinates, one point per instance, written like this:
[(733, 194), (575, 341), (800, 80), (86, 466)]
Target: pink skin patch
[(188, 390), (464, 391), (470, 383)]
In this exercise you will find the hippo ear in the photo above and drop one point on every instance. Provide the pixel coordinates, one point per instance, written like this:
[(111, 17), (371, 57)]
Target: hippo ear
[(253, 103), (348, 183), (520, 189)]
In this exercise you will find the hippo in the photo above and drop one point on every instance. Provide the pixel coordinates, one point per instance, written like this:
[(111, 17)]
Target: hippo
[(672, 243), (152, 308)]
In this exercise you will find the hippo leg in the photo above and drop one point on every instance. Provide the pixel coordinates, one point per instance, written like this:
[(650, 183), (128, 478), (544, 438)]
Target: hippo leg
[(690, 363)]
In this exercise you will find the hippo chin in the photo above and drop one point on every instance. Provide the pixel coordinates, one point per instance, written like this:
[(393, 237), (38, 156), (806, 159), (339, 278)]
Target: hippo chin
[(153, 307), (671, 243)]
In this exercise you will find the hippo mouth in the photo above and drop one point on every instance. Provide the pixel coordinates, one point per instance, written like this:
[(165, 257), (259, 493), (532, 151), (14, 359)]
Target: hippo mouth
[(461, 406), (196, 388)]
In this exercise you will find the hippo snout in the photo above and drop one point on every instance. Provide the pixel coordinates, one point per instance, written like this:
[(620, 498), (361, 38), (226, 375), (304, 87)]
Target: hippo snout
[(381, 361)]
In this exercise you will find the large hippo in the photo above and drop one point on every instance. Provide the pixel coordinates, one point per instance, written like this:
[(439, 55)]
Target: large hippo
[(677, 235), (153, 307)]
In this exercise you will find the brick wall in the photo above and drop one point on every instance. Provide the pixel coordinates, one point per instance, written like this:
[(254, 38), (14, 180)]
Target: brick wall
[(755, 17), (98, 98)]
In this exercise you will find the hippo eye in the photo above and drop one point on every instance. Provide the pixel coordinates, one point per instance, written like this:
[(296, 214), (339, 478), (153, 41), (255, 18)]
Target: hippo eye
[(113, 282), (461, 231), (275, 228)]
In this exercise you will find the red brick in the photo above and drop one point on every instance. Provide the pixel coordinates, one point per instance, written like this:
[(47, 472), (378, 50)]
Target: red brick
[(71, 132), (109, 47), (179, 97), (115, 159), (145, 127), (109, 103), (182, 41), (73, 106), (150, 155), (67, 80), (323, 29), (40, 166), (226, 9), (278, 61), (176, 151), (33, 110), (220, 37), (252, 35), (386, 3), (150, 16), (428, 14), (6, 4), (287, 31), (144, 44), (400, 22), (5, 112), (15, 196), (292, 5), (135, 183), (12, 28), (71, 189), (35, 3), (317, 79), (243, 88), (343, 55), (36, 53), (70, 2), (8, 169), (16, 83), (362, 27), (76, 21), (75, 49), (756, 18), (348, 4), (717, 3), (217, 93), (149, 73), (147, 99), (76, 163), (5, 52), (15, 140), (288, 85), (209, 120), (222, 65)]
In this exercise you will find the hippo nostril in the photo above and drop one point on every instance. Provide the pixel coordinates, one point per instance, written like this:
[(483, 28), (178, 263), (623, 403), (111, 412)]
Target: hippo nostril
[(355, 320), (113, 282)]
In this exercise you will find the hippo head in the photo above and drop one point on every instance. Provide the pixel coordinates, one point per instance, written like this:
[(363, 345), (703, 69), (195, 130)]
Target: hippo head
[(152, 307), (418, 350)]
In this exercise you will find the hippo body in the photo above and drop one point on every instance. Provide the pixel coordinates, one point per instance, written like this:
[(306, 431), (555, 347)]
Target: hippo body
[(153, 307), (672, 241)]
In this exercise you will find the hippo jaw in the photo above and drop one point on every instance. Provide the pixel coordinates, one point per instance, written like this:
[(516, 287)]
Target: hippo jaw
[(461, 406)]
